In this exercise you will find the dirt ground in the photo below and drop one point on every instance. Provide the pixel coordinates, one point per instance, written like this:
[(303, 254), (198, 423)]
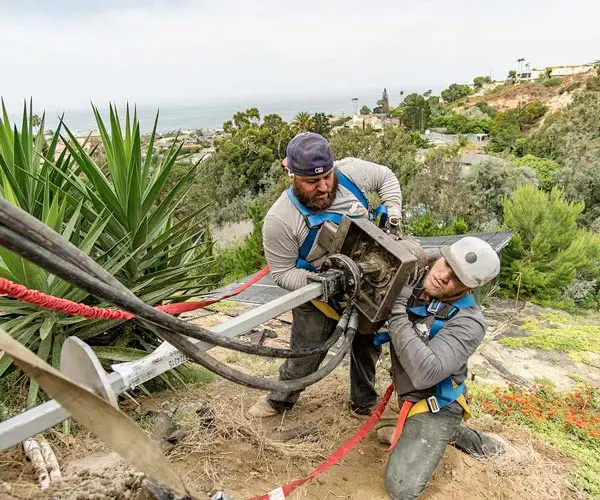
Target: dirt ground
[(216, 447), (246, 458)]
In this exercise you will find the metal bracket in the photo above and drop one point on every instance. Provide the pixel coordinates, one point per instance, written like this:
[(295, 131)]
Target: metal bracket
[(332, 282), (79, 362)]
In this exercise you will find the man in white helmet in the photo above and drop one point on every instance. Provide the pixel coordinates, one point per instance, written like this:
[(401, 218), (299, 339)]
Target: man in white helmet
[(434, 328)]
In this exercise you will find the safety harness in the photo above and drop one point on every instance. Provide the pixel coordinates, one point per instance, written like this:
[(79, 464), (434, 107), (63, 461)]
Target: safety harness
[(315, 221), (447, 391)]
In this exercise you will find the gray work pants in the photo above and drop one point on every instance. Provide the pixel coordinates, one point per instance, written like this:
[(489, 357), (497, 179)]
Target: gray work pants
[(421, 446), (310, 328)]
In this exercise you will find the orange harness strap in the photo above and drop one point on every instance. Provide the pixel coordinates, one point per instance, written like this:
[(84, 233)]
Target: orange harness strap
[(402, 416)]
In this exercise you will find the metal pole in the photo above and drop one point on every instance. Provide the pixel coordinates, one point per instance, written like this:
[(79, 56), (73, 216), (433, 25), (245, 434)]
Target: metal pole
[(42, 417)]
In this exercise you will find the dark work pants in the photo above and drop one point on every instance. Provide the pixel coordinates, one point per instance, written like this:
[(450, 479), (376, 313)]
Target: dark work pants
[(311, 328), (421, 447)]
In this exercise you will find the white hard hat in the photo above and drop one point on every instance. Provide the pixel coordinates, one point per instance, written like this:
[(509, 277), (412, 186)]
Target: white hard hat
[(473, 261)]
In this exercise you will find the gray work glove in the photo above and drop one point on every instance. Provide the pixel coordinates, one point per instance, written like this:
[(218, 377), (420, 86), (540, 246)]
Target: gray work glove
[(402, 301), (407, 290), (393, 225)]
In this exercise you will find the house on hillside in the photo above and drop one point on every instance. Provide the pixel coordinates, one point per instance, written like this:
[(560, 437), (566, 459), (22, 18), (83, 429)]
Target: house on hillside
[(575, 69), (375, 121), (437, 139)]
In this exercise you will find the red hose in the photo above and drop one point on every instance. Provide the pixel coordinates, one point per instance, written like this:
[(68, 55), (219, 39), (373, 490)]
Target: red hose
[(71, 308)]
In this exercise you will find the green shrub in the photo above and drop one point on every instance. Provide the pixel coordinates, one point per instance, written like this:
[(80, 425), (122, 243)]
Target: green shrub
[(487, 109), (548, 250), (425, 223), (544, 169), (552, 82), (237, 262)]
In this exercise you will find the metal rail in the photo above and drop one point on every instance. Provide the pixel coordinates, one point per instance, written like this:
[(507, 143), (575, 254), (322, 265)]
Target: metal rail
[(166, 357)]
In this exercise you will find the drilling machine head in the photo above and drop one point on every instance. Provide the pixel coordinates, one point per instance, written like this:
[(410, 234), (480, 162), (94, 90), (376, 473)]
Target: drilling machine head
[(372, 267)]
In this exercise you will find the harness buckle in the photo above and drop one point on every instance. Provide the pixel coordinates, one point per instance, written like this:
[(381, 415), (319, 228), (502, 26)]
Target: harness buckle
[(435, 306), (433, 404)]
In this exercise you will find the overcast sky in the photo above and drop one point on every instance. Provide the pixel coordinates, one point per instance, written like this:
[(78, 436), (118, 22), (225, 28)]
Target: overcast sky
[(65, 53)]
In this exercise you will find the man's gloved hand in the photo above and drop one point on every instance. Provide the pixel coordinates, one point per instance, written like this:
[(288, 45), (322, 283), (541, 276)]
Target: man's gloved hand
[(393, 225), (402, 300), (407, 290)]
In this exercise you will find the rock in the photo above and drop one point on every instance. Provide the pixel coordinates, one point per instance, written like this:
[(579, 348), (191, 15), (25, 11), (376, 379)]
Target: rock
[(153, 490), (206, 416)]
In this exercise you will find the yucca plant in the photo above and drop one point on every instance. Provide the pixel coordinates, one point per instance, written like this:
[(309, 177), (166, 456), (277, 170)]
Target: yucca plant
[(166, 257), (29, 181), (116, 212)]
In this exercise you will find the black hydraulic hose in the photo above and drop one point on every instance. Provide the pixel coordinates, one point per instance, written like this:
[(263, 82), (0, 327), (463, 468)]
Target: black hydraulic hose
[(270, 384), (123, 298), (75, 275), (37, 242), (35, 231)]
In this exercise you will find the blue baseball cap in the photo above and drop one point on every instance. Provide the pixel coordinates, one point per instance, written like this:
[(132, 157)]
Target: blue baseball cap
[(309, 154)]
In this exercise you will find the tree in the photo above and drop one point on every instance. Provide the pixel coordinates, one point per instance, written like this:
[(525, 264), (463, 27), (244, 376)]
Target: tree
[(393, 147), (571, 137), (383, 104), (440, 187), (415, 112), (480, 81), (545, 170), (491, 181), (547, 249), (504, 131), (320, 124), (245, 155), (36, 121), (455, 92), (507, 127), (365, 110), (512, 76), (302, 122)]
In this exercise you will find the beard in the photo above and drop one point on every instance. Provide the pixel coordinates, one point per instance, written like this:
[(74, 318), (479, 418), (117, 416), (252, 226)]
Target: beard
[(312, 203)]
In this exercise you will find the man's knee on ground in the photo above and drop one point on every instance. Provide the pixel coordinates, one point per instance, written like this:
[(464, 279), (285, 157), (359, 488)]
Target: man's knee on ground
[(401, 483)]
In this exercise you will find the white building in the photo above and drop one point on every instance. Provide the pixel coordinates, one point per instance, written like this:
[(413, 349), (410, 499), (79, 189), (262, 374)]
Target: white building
[(575, 69)]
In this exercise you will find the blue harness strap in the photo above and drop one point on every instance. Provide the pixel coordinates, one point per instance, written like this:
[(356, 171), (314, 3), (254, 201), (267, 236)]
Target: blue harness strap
[(315, 221), (353, 188), (445, 392)]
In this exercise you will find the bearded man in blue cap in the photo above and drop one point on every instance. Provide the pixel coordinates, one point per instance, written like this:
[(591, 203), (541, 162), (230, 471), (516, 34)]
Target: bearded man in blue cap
[(321, 185)]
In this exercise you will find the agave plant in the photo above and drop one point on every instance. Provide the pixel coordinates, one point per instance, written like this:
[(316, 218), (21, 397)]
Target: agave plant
[(30, 182), (116, 212)]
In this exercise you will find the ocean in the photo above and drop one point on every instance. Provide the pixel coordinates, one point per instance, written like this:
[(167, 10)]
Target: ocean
[(211, 115)]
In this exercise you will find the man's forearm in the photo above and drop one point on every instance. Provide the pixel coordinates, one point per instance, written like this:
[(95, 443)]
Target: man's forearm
[(291, 279), (390, 193), (421, 365)]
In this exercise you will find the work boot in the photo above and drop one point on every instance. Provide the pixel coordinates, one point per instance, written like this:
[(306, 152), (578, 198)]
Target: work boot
[(361, 411), (386, 434), (496, 444), (262, 409)]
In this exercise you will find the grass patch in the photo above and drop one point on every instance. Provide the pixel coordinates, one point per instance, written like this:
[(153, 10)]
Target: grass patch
[(225, 306), (13, 394), (573, 335), (544, 381)]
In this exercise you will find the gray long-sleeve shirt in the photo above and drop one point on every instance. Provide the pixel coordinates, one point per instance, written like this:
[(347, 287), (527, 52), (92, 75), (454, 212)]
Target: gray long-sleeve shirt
[(419, 364), (285, 229)]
